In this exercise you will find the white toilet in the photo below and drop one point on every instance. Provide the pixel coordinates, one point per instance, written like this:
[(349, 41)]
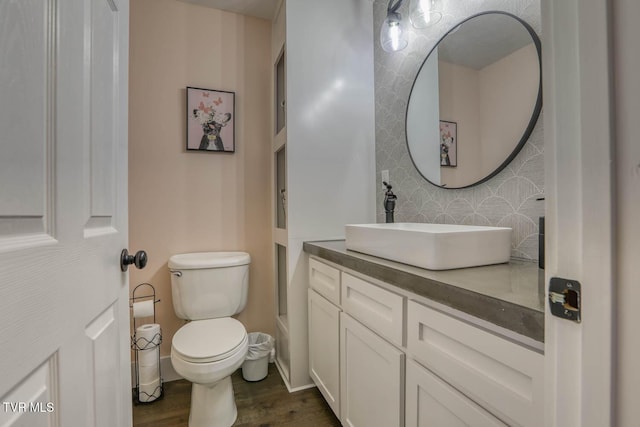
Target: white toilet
[(207, 288)]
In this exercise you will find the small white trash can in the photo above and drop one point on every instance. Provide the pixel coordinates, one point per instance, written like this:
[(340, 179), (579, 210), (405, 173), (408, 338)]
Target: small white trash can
[(256, 365)]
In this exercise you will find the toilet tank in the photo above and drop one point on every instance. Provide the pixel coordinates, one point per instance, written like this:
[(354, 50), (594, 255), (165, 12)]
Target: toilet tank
[(208, 285)]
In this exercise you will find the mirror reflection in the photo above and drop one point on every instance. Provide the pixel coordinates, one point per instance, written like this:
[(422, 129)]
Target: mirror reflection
[(475, 100)]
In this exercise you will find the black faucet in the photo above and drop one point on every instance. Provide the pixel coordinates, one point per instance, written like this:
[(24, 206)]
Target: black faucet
[(389, 202)]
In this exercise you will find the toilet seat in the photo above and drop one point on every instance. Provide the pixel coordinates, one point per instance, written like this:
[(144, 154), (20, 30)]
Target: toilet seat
[(210, 340)]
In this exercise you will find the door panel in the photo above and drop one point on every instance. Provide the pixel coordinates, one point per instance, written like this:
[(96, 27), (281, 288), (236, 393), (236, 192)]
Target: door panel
[(63, 135), (103, 119), (104, 342), (26, 174), (26, 122), (33, 402)]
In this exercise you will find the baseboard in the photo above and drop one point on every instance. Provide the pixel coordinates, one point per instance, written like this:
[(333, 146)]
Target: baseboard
[(166, 371), (170, 374), (286, 382)]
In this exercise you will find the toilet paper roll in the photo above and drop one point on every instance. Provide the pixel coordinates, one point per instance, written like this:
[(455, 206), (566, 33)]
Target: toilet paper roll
[(148, 374), (148, 336), (143, 309), (149, 392), (148, 358), (148, 343)]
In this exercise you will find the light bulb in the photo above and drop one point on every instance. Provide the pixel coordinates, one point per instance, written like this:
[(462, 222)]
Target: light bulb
[(424, 13), (393, 34)]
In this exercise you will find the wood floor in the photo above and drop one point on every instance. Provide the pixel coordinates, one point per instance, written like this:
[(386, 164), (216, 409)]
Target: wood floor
[(264, 403)]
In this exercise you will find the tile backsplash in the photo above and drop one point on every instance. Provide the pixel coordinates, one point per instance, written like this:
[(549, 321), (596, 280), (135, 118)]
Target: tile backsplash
[(509, 198)]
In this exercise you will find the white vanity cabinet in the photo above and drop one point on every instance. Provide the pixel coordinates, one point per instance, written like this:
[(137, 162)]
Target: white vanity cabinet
[(352, 324), (383, 356)]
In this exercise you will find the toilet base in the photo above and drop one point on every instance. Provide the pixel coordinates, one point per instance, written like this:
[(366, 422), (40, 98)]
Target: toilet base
[(213, 405)]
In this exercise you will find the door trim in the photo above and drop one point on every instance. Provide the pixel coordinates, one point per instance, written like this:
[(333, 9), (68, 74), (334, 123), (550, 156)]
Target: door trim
[(579, 208)]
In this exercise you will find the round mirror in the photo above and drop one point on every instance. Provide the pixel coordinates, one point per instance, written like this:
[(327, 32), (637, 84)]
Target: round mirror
[(475, 100)]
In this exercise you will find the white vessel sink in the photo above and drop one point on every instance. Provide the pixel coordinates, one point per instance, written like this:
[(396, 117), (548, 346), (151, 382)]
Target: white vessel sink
[(431, 246)]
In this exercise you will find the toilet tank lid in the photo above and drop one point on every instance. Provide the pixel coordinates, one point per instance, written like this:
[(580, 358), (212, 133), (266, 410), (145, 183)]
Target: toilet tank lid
[(208, 260)]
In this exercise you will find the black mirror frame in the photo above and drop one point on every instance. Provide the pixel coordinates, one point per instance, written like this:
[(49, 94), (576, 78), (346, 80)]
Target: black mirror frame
[(534, 116)]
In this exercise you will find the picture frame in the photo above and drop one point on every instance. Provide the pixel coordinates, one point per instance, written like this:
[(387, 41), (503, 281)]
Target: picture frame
[(210, 120), (448, 144)]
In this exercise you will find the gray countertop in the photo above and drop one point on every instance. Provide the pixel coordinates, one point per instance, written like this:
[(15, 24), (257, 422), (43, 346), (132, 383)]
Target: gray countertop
[(508, 295)]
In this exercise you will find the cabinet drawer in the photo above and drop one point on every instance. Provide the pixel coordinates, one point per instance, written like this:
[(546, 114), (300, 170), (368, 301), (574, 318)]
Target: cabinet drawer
[(432, 402), (503, 377), (325, 280), (375, 307)]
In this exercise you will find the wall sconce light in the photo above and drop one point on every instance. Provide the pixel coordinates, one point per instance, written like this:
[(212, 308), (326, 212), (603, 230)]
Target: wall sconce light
[(422, 13), (393, 34)]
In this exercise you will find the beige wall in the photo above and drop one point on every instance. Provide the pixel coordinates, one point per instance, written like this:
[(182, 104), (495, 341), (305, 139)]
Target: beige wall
[(191, 201), (459, 102), (508, 92), (492, 107)]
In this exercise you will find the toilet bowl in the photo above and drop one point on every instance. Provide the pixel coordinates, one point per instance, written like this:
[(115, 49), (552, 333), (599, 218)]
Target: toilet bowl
[(207, 288), (206, 353)]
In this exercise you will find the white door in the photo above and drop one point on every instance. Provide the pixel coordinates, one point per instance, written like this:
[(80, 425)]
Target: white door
[(324, 348), (371, 378), (64, 316), (579, 208)]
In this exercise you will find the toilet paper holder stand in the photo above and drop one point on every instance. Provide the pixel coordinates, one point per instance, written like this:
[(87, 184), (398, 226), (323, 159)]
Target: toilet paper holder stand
[(140, 344)]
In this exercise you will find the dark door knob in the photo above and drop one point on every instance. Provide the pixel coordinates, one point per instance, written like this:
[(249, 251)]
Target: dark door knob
[(139, 259)]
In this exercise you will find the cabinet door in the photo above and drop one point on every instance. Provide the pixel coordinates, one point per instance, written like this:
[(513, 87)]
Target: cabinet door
[(324, 342), (430, 402), (371, 378), (505, 378)]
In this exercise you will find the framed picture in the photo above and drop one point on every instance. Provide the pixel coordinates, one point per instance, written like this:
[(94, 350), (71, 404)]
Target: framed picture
[(211, 120), (448, 144)]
